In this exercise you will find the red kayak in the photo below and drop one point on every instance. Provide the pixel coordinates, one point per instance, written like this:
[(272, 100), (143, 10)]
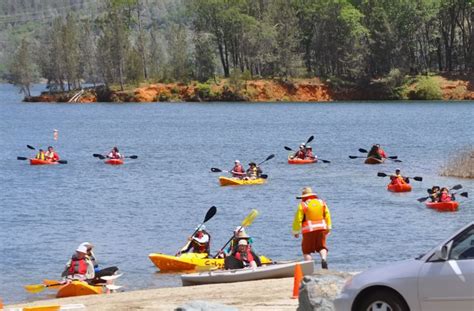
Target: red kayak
[(399, 187), (114, 161), (301, 161), (451, 206), (41, 162)]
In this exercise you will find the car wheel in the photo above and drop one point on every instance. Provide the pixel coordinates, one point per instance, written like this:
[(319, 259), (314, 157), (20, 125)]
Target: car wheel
[(382, 301)]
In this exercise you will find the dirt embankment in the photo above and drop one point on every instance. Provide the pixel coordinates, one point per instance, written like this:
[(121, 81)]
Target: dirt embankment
[(296, 90)]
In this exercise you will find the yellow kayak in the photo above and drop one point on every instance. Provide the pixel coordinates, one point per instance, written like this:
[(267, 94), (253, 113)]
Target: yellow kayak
[(78, 288), (228, 181), (189, 261)]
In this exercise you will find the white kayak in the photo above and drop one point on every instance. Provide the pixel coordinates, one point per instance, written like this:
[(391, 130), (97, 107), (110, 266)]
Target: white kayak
[(272, 271)]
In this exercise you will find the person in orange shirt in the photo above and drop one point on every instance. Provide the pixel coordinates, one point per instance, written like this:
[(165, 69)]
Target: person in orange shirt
[(313, 220)]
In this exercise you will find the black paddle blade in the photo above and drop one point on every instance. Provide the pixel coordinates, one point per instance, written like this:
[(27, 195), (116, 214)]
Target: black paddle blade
[(363, 150), (264, 176), (380, 174), (423, 199), (216, 170), (62, 162), (398, 161), (30, 147), (464, 194), (393, 157), (288, 148), (417, 178), (354, 157), (96, 155), (270, 157), (457, 187), (133, 157), (429, 191), (210, 213), (310, 139), (324, 161), (21, 158)]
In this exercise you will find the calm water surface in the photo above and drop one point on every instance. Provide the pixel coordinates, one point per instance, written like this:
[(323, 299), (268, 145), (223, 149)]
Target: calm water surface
[(151, 204)]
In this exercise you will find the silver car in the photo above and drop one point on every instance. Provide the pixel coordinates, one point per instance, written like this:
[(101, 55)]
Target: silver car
[(440, 280)]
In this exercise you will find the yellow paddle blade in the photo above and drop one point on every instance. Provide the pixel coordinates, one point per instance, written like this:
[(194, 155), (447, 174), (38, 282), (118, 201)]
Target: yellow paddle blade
[(250, 218), (35, 288)]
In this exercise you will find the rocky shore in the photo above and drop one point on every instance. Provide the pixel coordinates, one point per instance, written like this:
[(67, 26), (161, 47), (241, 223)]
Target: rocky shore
[(322, 287), (295, 90)]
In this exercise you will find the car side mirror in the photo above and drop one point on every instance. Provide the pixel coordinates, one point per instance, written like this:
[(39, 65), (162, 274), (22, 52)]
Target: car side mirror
[(442, 253)]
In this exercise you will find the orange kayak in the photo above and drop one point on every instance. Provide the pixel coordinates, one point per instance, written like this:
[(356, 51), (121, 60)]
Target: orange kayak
[(114, 161), (78, 288), (373, 161), (399, 187), (451, 206), (41, 162), (301, 161)]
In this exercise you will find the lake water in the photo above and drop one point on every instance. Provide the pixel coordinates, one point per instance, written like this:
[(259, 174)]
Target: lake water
[(153, 203)]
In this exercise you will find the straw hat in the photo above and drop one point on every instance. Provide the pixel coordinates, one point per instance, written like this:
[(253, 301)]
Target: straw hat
[(243, 242), (307, 192)]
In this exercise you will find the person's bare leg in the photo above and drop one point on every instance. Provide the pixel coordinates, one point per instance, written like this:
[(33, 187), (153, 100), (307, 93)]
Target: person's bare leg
[(307, 257)]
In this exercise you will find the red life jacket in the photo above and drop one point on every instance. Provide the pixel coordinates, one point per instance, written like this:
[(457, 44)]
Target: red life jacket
[(300, 154), (238, 169), (309, 154), (78, 266), (247, 257)]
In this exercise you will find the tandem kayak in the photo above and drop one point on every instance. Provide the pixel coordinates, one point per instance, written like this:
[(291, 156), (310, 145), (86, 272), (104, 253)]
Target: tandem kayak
[(78, 288), (229, 181), (451, 206), (399, 187), (114, 161), (189, 261), (41, 162), (372, 160), (274, 271), (302, 161)]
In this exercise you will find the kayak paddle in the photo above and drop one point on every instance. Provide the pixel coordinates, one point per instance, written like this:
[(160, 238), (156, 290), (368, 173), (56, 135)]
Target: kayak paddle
[(268, 158), (417, 178), (245, 223), (30, 147), (210, 213), (38, 288), (456, 187), (24, 158), (96, 155)]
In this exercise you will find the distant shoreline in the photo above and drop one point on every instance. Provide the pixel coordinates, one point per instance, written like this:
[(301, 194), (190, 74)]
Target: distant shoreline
[(295, 90)]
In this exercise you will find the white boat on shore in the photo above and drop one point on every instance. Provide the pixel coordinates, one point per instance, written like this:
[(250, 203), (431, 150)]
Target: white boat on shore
[(272, 271)]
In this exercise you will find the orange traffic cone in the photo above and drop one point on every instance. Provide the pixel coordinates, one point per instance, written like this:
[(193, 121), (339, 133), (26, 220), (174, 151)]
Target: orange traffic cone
[(1, 304), (297, 281)]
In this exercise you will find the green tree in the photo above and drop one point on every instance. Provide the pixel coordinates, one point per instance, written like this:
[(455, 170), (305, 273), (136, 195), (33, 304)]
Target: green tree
[(23, 72)]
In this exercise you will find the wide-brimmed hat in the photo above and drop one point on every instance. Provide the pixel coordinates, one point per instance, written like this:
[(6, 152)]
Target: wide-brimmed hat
[(307, 192), (201, 240), (87, 245), (243, 235)]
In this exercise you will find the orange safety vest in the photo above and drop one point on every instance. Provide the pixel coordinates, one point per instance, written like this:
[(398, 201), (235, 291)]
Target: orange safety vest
[(313, 222)]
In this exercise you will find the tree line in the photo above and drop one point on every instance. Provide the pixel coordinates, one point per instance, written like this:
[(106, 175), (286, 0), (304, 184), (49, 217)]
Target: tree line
[(133, 41)]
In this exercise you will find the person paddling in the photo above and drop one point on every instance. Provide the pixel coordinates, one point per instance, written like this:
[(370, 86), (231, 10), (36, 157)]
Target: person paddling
[(309, 153), (377, 152), (434, 193), (243, 257), (40, 155), (253, 172), (51, 155), (398, 179), (445, 196), (114, 154), (301, 153), (79, 267), (238, 170), (199, 243), (98, 272), (313, 219)]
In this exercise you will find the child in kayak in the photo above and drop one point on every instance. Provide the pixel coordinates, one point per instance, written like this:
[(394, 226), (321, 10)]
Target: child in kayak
[(243, 257), (434, 193), (199, 243), (445, 196)]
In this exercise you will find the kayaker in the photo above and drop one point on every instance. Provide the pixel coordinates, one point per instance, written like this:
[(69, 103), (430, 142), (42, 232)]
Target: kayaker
[(239, 233), (79, 267), (313, 219), (309, 153), (377, 152), (238, 170), (98, 272), (398, 179), (51, 155), (114, 154), (40, 155), (301, 153), (445, 196), (253, 171), (434, 193), (199, 243), (243, 257)]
